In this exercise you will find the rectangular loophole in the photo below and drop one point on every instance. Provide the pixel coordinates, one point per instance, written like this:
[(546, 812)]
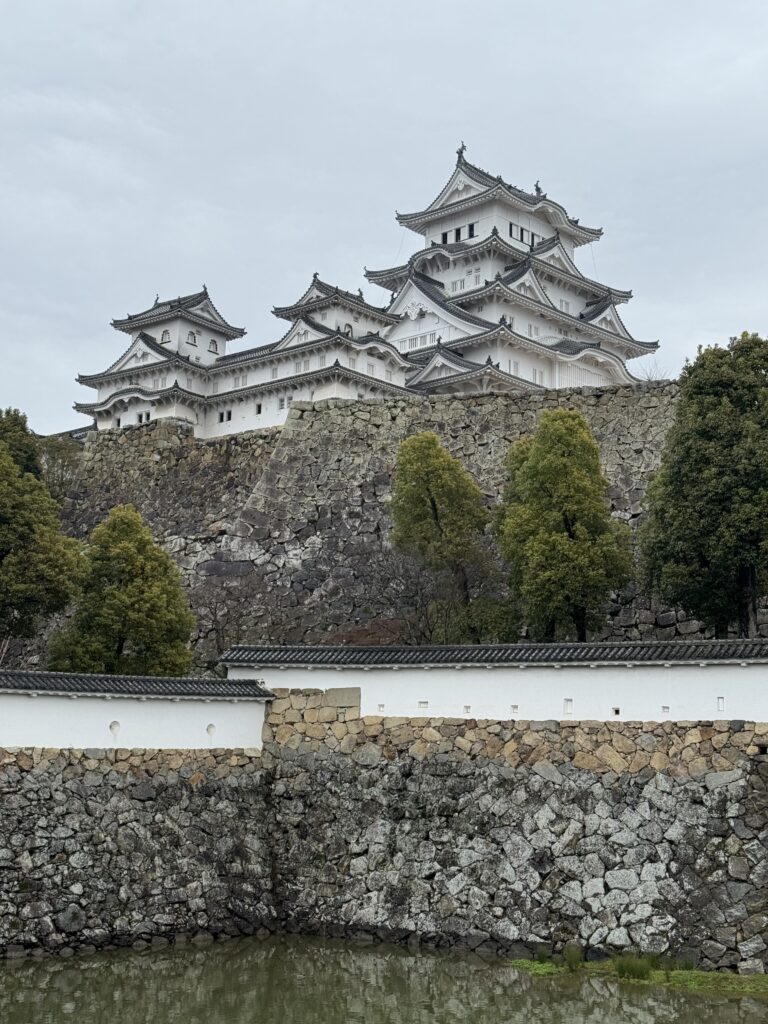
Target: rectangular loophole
[(665, 709), (380, 707), (616, 712), (423, 703), (721, 703), (515, 709), (568, 706), (467, 708)]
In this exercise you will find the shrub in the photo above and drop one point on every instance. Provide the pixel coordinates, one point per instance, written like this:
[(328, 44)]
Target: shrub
[(573, 955), (632, 967)]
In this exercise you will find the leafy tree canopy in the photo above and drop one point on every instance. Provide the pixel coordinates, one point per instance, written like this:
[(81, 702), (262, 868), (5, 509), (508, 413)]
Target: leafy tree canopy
[(132, 616), (39, 567), (437, 508), (705, 541), (565, 551), (22, 443)]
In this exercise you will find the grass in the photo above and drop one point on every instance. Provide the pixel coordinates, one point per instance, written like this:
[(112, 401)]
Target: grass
[(642, 970)]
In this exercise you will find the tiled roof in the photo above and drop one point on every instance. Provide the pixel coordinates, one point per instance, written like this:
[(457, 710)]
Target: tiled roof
[(503, 654), (163, 309), (132, 686)]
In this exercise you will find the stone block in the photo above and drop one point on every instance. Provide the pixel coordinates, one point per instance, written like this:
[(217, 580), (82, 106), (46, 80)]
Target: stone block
[(343, 697)]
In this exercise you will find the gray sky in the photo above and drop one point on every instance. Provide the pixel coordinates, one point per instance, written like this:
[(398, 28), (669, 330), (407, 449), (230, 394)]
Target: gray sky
[(153, 146)]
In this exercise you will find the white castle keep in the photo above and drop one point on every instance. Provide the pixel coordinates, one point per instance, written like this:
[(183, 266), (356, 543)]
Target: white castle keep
[(492, 301)]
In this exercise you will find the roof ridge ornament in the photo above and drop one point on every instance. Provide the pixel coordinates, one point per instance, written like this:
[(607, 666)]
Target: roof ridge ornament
[(460, 152), (538, 189)]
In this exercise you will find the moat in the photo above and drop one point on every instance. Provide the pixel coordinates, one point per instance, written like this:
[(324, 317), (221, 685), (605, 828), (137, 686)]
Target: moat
[(288, 980)]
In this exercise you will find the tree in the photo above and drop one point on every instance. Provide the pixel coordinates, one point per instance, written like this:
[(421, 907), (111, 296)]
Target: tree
[(438, 511), (22, 443), (39, 567), (704, 544), (132, 616), (565, 551)]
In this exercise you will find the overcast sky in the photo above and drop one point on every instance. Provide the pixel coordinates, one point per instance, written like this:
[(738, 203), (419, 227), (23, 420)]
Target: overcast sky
[(152, 146)]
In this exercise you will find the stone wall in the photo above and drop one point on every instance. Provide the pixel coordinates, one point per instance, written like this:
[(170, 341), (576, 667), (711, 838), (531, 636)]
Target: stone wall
[(274, 529), (493, 835), (125, 847), (504, 835)]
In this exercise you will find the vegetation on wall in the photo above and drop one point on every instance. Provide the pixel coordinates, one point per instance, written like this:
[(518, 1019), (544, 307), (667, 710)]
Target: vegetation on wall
[(39, 567), (565, 551), (705, 542), (132, 616), (443, 568)]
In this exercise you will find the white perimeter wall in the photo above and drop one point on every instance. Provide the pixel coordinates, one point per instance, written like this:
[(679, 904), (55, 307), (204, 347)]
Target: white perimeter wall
[(53, 721), (641, 693)]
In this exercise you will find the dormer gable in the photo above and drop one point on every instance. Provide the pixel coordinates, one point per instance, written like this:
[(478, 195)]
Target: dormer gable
[(302, 331)]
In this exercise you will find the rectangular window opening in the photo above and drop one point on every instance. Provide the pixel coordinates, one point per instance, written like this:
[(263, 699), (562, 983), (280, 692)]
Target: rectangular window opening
[(445, 238), (457, 235), (615, 712), (515, 709), (568, 706), (721, 703), (665, 709), (471, 230)]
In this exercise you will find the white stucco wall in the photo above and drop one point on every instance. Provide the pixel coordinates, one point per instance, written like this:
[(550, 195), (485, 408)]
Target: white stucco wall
[(690, 692), (65, 721)]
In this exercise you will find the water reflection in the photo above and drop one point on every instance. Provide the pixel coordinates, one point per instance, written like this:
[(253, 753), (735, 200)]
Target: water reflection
[(289, 980)]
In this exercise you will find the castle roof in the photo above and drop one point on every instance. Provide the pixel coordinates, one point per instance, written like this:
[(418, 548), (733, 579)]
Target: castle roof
[(196, 307), (486, 187), (564, 270), (320, 295)]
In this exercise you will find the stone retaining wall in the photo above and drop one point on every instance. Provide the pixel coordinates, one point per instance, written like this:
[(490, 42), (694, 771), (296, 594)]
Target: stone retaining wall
[(493, 835), (274, 530), (127, 847)]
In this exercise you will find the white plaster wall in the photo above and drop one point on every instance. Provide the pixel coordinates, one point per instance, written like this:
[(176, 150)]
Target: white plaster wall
[(63, 721), (690, 692)]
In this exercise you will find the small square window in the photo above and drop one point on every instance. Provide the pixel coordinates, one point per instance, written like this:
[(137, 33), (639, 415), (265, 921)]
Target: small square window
[(615, 712), (321, 360), (306, 365), (352, 363), (380, 707), (467, 707), (290, 399), (274, 373), (388, 374), (568, 706), (297, 366), (323, 316), (515, 709), (258, 408), (665, 709), (281, 403), (221, 417), (371, 369), (423, 703)]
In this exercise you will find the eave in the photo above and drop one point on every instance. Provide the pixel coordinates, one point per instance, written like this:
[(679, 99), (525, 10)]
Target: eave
[(299, 310), (498, 288)]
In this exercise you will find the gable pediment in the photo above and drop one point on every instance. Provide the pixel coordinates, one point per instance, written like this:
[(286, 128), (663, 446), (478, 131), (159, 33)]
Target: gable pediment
[(530, 288), (299, 334), (419, 312), (137, 355)]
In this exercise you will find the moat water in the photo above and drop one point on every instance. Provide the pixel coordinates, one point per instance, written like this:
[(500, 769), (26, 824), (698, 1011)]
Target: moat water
[(304, 981)]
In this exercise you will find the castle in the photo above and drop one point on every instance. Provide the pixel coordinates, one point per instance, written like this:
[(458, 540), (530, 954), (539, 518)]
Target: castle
[(492, 302)]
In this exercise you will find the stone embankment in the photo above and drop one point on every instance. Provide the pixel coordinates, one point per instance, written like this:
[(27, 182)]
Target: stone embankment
[(274, 530), (500, 836)]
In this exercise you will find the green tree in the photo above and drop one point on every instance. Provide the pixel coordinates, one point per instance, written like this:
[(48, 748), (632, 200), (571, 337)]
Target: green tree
[(704, 544), (438, 511), (22, 443), (39, 567), (132, 615), (565, 551)]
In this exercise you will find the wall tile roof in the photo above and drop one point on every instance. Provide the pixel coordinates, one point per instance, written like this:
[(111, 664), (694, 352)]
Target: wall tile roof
[(502, 654), (132, 686)]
